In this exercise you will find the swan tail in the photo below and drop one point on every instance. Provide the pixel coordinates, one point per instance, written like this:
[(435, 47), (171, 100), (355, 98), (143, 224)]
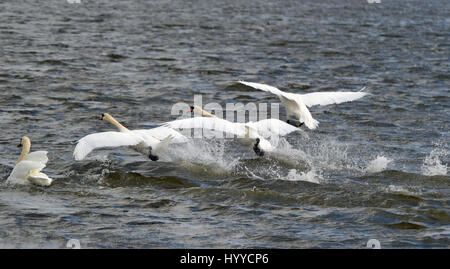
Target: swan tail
[(38, 178), (306, 117), (312, 123)]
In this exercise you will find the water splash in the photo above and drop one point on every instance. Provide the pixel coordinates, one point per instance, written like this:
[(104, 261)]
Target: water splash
[(322, 156), (310, 176), (378, 165), (209, 156), (402, 190), (432, 165)]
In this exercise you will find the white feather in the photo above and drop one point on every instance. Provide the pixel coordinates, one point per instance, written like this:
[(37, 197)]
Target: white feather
[(328, 98), (162, 132), (20, 172), (141, 140), (102, 140), (269, 127), (215, 124), (37, 156)]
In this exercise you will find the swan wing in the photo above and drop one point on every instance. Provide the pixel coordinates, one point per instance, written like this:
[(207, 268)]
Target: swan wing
[(22, 169), (269, 127), (38, 178), (103, 140), (328, 98), (291, 101), (262, 87), (305, 116), (161, 132), (271, 89), (215, 124), (37, 156)]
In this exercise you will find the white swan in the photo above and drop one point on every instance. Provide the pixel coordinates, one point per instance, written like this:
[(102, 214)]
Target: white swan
[(148, 142), (29, 165), (297, 104), (251, 133)]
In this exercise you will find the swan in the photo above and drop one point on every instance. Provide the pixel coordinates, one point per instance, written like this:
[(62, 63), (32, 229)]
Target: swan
[(148, 142), (250, 133), (29, 165), (297, 104)]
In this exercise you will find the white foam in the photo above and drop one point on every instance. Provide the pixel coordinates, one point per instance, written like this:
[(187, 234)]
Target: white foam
[(311, 176), (378, 165), (432, 165), (205, 155)]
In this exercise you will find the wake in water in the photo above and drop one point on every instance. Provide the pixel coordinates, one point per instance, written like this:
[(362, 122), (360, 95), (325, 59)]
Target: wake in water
[(209, 156), (325, 155), (310, 176), (316, 160)]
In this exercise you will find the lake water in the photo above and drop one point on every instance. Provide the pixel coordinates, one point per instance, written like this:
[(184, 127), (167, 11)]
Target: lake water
[(375, 168)]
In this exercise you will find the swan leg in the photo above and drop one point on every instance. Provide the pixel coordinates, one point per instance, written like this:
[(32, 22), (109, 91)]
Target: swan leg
[(256, 148), (295, 124), (153, 157)]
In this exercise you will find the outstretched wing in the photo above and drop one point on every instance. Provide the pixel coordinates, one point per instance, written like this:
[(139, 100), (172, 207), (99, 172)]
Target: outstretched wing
[(328, 98), (103, 140), (215, 124), (161, 132), (21, 170), (37, 156), (268, 88), (270, 127), (262, 87)]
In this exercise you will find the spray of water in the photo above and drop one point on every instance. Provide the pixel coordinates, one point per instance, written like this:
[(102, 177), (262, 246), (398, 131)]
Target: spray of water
[(209, 156), (432, 165), (378, 165)]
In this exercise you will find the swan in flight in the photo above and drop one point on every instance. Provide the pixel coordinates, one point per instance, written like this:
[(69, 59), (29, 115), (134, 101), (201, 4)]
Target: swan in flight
[(248, 134), (29, 165), (148, 142), (297, 104)]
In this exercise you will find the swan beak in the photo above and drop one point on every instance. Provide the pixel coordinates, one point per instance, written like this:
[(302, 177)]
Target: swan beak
[(20, 145), (191, 109), (101, 118)]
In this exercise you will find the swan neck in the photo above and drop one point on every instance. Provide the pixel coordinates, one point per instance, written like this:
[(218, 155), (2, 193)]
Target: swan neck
[(26, 146), (114, 122), (203, 113)]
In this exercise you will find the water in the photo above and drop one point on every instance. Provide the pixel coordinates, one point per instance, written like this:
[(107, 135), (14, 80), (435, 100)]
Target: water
[(376, 168)]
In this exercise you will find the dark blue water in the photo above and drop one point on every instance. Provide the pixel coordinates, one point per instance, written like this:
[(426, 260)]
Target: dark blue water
[(375, 168)]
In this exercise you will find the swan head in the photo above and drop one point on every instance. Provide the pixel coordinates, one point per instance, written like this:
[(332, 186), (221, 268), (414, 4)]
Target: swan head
[(196, 109), (24, 142), (105, 116), (199, 111), (108, 118)]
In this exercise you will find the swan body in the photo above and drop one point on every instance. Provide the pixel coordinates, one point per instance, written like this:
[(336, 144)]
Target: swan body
[(251, 133), (147, 142), (29, 166), (297, 104)]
